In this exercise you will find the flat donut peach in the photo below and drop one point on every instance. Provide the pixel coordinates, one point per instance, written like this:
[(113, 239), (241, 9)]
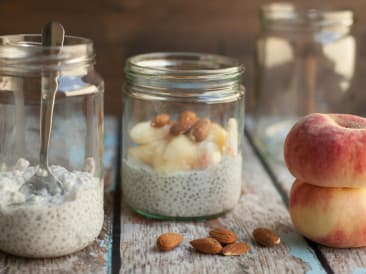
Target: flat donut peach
[(329, 216), (328, 150)]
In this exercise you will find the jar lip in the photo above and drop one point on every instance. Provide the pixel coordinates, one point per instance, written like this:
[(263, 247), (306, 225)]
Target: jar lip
[(295, 14), (35, 41), (183, 64), (24, 53), (184, 77)]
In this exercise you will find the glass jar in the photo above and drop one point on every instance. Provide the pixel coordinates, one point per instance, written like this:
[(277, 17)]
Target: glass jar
[(46, 225), (305, 63), (183, 120)]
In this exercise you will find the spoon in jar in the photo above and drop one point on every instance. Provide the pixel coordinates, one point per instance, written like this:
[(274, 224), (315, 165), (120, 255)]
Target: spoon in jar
[(43, 181)]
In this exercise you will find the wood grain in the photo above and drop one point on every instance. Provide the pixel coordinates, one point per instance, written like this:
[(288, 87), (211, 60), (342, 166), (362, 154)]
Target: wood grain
[(260, 205), (93, 259), (349, 260), (121, 28)]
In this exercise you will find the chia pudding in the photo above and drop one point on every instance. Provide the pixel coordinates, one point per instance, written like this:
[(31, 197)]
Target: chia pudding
[(207, 192), (187, 169), (43, 226)]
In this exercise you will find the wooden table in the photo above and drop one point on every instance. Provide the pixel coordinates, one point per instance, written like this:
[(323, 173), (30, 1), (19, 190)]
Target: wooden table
[(127, 242)]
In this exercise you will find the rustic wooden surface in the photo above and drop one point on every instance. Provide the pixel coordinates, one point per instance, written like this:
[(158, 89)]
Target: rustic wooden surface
[(260, 205), (349, 260), (95, 258), (265, 187)]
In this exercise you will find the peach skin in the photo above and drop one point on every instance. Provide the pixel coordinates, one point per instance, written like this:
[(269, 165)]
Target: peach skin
[(328, 150), (329, 216)]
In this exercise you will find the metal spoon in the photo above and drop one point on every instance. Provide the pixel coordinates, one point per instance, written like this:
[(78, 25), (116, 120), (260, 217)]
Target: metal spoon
[(43, 180)]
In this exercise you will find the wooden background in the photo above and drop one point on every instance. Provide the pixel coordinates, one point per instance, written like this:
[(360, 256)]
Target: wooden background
[(121, 28)]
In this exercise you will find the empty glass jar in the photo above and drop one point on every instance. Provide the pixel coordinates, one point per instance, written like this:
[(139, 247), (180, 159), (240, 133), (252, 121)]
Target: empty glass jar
[(305, 63), (183, 120), (43, 224)]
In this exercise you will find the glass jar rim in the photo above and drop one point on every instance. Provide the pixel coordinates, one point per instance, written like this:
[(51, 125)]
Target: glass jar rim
[(24, 52), (35, 41), (191, 64), (292, 13), (184, 77)]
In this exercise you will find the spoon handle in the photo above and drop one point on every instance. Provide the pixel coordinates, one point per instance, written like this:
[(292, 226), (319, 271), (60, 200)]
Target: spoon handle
[(52, 37), (49, 88), (43, 180)]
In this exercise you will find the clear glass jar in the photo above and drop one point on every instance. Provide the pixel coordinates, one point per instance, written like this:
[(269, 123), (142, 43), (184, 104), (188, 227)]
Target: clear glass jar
[(183, 122), (46, 225), (305, 63)]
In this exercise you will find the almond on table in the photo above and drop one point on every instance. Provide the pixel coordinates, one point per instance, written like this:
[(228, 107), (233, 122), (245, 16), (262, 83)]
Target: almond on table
[(224, 236), (169, 241), (207, 245), (235, 249), (266, 237)]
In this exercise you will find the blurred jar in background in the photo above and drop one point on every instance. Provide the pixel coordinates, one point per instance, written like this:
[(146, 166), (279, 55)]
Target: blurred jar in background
[(305, 63)]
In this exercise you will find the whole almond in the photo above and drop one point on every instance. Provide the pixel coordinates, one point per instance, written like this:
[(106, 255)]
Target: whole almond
[(185, 122), (207, 245), (177, 129), (235, 249), (224, 236), (169, 241), (266, 237), (160, 120), (201, 129)]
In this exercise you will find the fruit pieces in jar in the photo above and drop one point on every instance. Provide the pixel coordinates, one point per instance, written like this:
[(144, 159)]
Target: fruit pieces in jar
[(189, 143)]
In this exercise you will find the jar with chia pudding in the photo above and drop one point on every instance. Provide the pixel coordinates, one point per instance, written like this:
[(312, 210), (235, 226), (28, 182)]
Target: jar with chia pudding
[(48, 223), (183, 123)]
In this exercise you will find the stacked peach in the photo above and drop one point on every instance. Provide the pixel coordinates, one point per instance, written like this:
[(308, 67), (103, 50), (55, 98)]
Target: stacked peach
[(326, 153)]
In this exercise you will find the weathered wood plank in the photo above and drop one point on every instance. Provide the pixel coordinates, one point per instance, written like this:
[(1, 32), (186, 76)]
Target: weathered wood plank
[(350, 260), (93, 259), (136, 26), (260, 205)]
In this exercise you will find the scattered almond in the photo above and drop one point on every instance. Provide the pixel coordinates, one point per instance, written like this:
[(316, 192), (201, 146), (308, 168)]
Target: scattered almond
[(207, 245), (185, 122), (235, 249), (224, 236), (169, 241), (266, 237), (201, 130), (160, 120)]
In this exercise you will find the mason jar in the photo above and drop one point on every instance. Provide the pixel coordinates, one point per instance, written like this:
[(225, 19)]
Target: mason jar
[(47, 224), (183, 122), (305, 63)]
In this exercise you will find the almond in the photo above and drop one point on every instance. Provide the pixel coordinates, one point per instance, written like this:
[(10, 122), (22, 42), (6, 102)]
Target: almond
[(160, 120), (207, 245), (201, 130), (224, 236), (177, 129), (235, 249), (266, 237), (185, 122), (169, 241)]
